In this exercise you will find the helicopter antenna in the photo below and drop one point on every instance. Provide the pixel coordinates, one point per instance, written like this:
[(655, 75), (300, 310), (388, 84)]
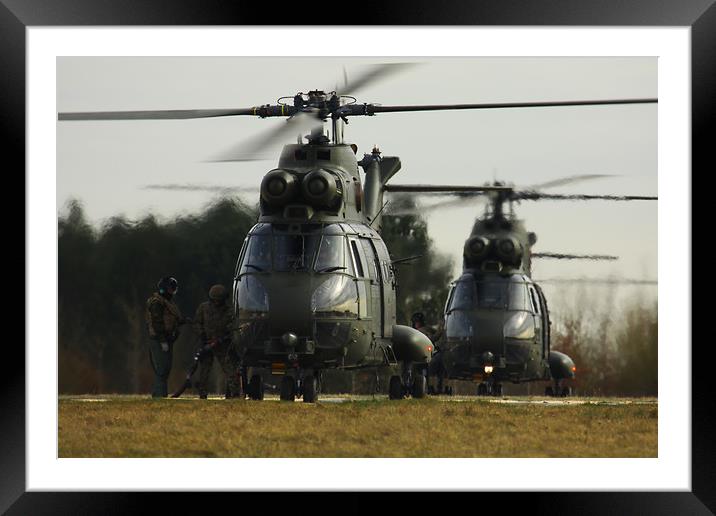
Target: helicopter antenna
[(377, 214)]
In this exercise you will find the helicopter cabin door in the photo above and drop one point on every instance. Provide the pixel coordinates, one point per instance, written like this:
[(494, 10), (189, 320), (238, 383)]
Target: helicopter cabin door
[(376, 280), (384, 273), (538, 311), (545, 322)]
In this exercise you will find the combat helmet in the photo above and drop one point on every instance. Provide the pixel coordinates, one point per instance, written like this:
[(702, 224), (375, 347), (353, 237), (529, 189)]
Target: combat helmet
[(168, 285), (418, 317), (217, 293)]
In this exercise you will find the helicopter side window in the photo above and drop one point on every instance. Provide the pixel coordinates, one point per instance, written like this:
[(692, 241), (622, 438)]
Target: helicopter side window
[(242, 253), (449, 298), (294, 252), (357, 259), (257, 257), (535, 302), (331, 254)]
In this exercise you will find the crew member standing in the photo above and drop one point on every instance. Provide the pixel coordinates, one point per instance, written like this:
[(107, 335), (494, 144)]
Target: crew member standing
[(214, 323), (418, 322), (163, 319)]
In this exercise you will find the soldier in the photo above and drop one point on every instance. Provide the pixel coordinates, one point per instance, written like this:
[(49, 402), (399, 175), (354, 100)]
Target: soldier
[(163, 319), (214, 323), (418, 322)]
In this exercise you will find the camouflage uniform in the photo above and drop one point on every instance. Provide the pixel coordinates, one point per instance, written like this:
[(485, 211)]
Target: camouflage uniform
[(216, 322), (163, 319)]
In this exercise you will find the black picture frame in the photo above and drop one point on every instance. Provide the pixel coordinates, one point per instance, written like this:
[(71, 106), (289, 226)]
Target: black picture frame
[(17, 15)]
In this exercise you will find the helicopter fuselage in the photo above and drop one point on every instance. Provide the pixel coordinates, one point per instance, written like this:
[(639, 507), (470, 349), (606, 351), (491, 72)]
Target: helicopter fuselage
[(314, 296), (496, 326), (314, 286)]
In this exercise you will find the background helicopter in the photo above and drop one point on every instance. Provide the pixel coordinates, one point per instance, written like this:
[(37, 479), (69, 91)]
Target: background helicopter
[(497, 324), (317, 106)]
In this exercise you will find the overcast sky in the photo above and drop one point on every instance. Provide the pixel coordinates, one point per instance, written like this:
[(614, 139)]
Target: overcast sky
[(104, 164)]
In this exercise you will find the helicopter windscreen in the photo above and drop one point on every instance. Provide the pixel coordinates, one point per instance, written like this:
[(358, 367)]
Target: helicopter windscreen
[(468, 294), (336, 297), (295, 252)]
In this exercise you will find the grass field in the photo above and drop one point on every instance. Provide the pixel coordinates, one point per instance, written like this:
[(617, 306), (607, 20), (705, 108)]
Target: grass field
[(133, 426)]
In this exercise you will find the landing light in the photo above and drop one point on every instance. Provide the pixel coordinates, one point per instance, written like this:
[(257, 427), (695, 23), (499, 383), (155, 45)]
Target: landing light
[(488, 369)]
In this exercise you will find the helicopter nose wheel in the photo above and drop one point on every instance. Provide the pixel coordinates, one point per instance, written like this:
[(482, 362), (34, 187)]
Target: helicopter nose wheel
[(558, 390), (256, 388), (483, 389), (288, 388), (310, 389), (395, 388), (419, 385)]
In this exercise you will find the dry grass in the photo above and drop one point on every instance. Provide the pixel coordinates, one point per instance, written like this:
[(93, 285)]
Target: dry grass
[(140, 427)]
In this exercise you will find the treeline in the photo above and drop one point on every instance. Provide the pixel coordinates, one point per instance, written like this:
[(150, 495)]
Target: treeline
[(106, 274), (615, 351)]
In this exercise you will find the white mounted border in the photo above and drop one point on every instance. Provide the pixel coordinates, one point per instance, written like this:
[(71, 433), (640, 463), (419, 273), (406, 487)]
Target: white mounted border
[(670, 471)]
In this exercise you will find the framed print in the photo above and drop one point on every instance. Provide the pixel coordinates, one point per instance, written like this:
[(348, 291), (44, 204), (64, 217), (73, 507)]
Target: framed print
[(138, 189)]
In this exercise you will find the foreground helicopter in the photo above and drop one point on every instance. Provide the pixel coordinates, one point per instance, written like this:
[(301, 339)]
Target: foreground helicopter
[(314, 286), (497, 325)]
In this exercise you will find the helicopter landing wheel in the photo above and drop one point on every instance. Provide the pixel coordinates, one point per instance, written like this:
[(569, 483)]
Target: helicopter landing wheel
[(448, 390), (395, 388), (431, 390), (288, 388), (482, 389), (256, 388), (549, 391), (419, 386), (497, 389), (310, 389), (566, 391)]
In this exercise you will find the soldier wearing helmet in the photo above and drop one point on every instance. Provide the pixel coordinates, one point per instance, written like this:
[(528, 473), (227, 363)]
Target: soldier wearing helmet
[(163, 319), (214, 323), (418, 322)]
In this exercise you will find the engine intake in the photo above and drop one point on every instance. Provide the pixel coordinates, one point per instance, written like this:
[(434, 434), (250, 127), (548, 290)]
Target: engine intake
[(320, 189), (476, 247), (279, 187)]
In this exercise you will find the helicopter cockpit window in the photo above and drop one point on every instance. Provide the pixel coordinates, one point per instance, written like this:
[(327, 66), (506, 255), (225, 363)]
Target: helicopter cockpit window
[(332, 254), (460, 302), (252, 298), (492, 294), (459, 325), (294, 252), (519, 297), (463, 296), (336, 297), (257, 257)]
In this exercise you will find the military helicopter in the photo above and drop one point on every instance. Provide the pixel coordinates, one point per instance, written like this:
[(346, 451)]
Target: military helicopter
[(314, 287), (496, 318)]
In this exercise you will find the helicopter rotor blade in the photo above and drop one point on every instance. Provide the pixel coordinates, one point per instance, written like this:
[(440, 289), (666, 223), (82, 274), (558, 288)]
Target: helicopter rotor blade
[(171, 114), (447, 189), (597, 281), (200, 188), (372, 74), (568, 180), (473, 200), (560, 256), (371, 109), (252, 149), (536, 196)]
